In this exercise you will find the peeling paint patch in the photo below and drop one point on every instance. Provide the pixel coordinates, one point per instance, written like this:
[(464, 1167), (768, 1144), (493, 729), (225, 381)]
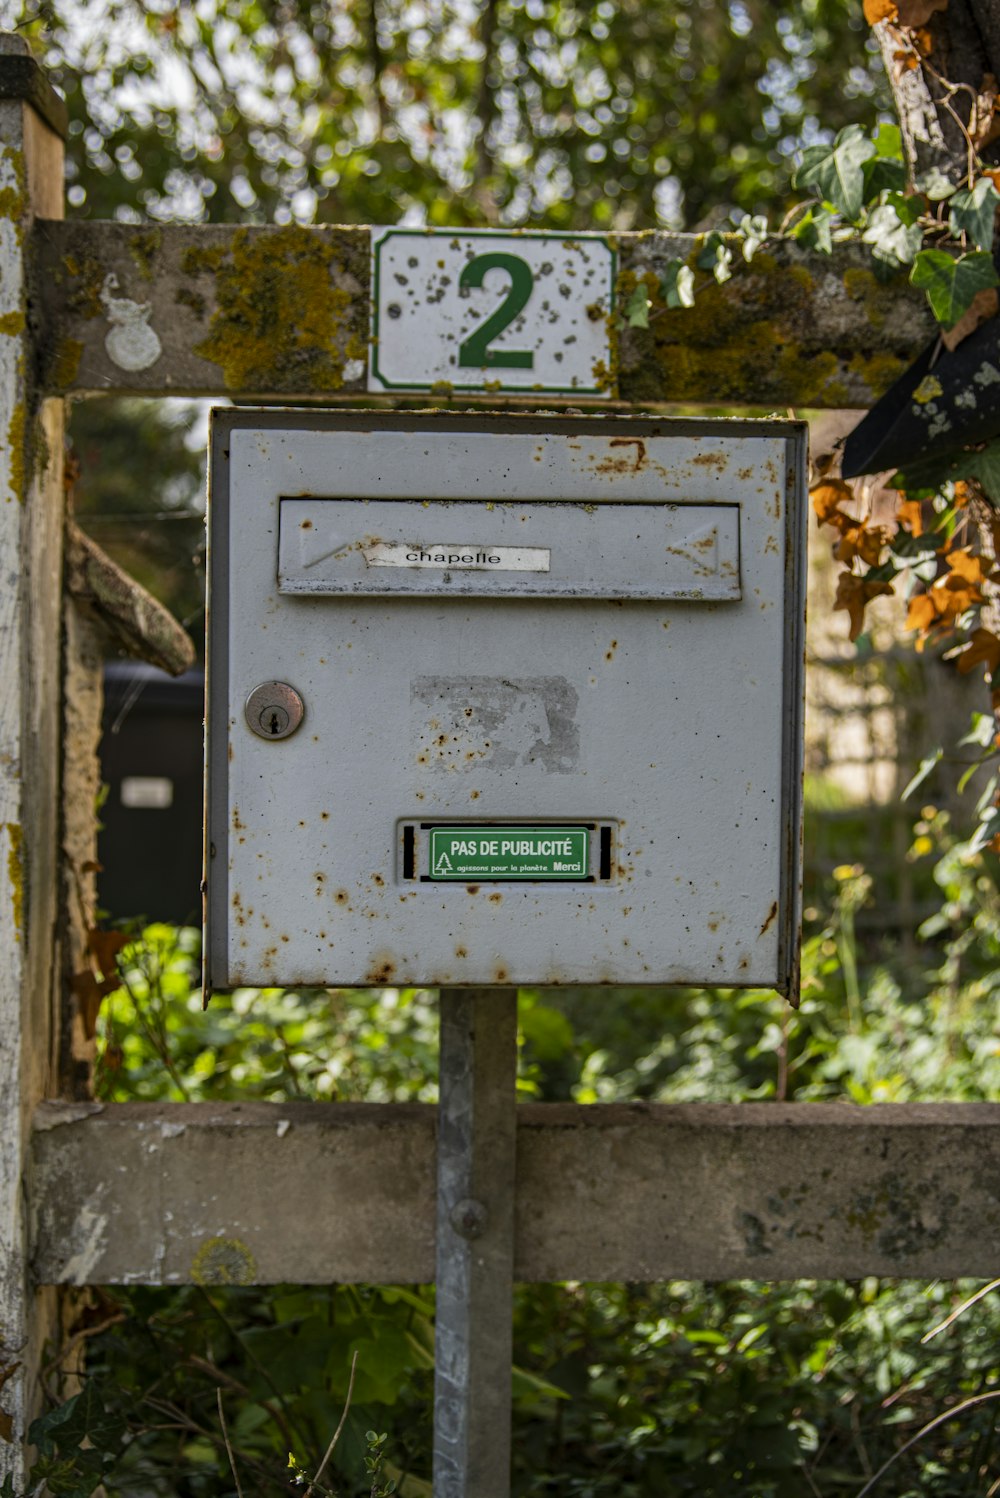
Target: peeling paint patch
[(87, 1245), (465, 723), (131, 344)]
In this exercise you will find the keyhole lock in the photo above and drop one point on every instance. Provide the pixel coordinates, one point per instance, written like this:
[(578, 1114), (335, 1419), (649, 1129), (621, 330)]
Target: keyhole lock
[(274, 710)]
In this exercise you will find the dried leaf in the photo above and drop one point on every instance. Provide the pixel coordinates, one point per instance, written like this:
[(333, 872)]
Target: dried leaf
[(104, 947), (879, 10), (962, 495), (985, 304), (985, 124), (983, 649), (90, 992), (966, 568), (827, 496), (862, 541), (921, 613), (910, 512), (854, 593), (914, 13)]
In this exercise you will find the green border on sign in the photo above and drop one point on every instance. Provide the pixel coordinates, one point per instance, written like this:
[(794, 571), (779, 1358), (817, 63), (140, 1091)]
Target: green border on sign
[(457, 829), (498, 388)]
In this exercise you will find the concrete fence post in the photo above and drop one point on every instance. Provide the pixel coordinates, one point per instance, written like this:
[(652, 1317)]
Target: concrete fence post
[(32, 127)]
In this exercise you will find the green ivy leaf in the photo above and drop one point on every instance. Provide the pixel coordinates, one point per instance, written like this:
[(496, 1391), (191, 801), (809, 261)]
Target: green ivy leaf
[(973, 212), (716, 256), (893, 242), (637, 307), (908, 206), (815, 230), (84, 1417), (889, 141), (677, 284), (752, 231), (882, 174), (836, 171), (985, 467), (934, 184), (952, 283)]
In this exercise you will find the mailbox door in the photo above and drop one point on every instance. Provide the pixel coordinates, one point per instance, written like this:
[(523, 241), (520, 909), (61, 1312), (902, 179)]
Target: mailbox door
[(551, 682)]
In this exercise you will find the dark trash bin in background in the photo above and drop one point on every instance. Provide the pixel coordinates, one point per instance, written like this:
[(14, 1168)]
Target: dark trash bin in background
[(150, 846)]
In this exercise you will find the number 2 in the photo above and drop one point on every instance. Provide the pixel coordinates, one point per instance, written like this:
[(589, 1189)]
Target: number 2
[(475, 350)]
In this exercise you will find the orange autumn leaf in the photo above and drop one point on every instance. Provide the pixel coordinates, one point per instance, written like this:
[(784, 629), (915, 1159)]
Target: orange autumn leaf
[(962, 494), (966, 567), (854, 593), (983, 649), (910, 512), (827, 497), (879, 10), (921, 613), (861, 541)]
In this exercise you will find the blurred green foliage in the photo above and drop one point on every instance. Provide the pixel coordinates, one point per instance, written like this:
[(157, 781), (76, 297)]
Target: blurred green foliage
[(614, 114), (139, 491), (774, 1390)]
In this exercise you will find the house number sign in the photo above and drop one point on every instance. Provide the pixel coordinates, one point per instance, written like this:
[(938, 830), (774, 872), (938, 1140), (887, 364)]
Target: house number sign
[(491, 311)]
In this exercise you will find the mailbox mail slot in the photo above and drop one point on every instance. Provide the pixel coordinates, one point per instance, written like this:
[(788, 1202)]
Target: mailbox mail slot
[(525, 700), (543, 550)]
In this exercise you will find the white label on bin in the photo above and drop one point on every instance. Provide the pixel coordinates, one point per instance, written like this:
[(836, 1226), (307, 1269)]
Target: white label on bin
[(147, 792)]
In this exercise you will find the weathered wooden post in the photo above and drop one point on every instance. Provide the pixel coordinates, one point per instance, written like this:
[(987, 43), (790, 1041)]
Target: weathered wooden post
[(32, 129), (599, 1192)]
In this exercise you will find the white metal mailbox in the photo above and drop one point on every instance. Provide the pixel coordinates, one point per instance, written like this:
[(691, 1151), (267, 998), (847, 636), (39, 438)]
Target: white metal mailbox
[(503, 700)]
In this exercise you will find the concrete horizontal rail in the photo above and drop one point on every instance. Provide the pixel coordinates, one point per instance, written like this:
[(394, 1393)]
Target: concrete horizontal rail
[(313, 1193), (284, 312)]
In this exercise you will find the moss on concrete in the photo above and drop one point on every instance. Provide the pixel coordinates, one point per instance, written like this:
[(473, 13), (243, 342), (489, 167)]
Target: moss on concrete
[(283, 317), (66, 363)]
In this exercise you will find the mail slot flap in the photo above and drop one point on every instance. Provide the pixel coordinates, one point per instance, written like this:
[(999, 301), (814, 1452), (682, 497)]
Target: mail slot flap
[(545, 549)]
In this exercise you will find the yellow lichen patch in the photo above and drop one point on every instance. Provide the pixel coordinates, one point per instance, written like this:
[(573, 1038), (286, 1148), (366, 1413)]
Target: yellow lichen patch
[(66, 363), (224, 1261), (753, 332), (83, 296), (143, 247), (12, 323), (16, 434), (15, 873), (281, 321), (879, 371), (929, 387), (863, 285)]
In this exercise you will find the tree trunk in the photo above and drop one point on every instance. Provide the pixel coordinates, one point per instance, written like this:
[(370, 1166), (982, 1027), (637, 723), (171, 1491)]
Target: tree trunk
[(943, 75)]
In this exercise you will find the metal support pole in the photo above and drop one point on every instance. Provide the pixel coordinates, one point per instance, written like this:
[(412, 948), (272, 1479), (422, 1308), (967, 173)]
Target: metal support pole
[(475, 1243)]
